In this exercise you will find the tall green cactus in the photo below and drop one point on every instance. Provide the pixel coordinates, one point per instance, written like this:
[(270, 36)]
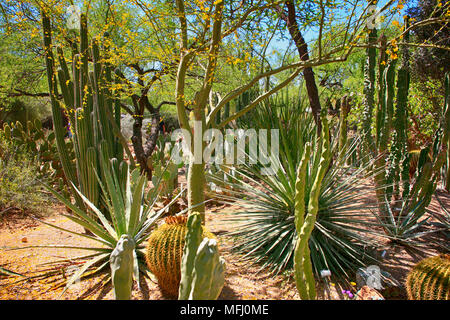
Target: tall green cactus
[(380, 114), (343, 125), (91, 107), (400, 160), (304, 221), (369, 95), (402, 218), (202, 269)]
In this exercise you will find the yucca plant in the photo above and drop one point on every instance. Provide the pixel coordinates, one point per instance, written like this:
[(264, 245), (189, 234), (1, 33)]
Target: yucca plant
[(266, 231)]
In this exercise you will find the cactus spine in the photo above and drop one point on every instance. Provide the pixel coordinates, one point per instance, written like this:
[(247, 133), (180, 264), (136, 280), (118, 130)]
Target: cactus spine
[(430, 279), (304, 221), (164, 253), (90, 105), (202, 269)]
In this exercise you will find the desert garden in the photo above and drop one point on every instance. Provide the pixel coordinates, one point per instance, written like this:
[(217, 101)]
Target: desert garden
[(203, 150)]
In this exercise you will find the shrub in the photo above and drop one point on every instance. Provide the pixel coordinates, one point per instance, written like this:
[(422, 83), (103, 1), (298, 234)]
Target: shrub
[(19, 184)]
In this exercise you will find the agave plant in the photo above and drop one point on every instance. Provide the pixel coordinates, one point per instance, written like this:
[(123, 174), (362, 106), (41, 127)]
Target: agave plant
[(266, 229), (120, 240)]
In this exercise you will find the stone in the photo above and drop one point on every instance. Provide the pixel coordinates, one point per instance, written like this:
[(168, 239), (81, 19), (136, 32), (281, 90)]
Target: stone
[(368, 293), (370, 276)]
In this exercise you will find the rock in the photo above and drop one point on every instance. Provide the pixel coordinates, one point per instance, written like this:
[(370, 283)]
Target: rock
[(375, 278), (368, 293), (370, 276), (24, 240)]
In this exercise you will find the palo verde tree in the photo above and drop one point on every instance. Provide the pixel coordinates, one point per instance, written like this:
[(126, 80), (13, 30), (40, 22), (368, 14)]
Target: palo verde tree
[(204, 31)]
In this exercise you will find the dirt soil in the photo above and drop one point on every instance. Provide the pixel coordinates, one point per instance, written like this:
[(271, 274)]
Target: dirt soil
[(243, 281)]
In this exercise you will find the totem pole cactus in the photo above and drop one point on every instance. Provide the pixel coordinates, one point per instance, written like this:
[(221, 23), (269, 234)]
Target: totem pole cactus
[(304, 221), (121, 262), (202, 269), (92, 108)]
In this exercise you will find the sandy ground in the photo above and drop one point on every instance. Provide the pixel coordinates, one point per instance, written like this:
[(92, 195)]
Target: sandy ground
[(242, 280)]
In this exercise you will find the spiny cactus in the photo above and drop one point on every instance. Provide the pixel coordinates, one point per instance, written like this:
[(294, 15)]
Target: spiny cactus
[(202, 269), (369, 94), (91, 107), (430, 279), (165, 250), (306, 214)]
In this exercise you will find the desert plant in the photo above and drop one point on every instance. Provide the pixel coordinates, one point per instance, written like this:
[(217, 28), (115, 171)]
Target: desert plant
[(19, 178), (41, 144), (265, 231), (202, 269), (402, 219), (121, 238), (430, 279), (164, 252), (93, 111), (405, 181), (165, 170), (306, 219)]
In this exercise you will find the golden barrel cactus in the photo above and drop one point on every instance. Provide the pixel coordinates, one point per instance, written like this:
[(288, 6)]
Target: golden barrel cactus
[(165, 250), (430, 279)]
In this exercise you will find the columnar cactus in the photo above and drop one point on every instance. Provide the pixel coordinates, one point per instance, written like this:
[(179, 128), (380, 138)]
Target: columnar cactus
[(369, 94), (91, 107), (430, 279), (343, 124), (202, 269), (305, 218), (400, 160), (381, 106)]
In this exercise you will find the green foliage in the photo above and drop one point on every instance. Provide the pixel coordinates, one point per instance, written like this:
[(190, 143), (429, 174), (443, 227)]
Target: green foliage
[(93, 110), (430, 279), (165, 170), (305, 221), (19, 178), (401, 219), (131, 218), (202, 268), (41, 144), (165, 250), (265, 230), (403, 192)]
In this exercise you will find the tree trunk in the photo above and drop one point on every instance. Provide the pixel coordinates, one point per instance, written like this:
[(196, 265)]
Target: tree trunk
[(302, 48)]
